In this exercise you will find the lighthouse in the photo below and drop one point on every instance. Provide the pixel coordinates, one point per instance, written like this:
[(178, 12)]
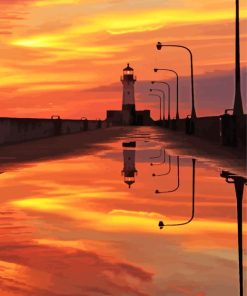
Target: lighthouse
[(129, 171), (128, 115), (128, 103)]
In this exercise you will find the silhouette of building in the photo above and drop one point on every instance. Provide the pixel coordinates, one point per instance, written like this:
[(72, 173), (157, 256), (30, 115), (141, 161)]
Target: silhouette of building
[(128, 103), (129, 171), (129, 115)]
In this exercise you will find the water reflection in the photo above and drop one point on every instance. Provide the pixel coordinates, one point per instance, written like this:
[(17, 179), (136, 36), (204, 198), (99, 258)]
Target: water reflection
[(164, 157), (239, 183), (178, 180), (161, 223), (73, 227), (129, 171), (160, 153), (166, 173)]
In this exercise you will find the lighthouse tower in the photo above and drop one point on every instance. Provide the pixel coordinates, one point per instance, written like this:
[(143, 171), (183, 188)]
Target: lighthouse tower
[(128, 103), (129, 171)]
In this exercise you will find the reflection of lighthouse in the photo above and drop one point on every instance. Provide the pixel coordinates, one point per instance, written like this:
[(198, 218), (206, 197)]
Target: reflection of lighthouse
[(128, 104), (129, 171)]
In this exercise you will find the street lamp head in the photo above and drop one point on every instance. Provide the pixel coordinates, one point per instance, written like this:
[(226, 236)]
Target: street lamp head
[(150, 89), (155, 70), (159, 45), (152, 82), (161, 225), (157, 191), (153, 175)]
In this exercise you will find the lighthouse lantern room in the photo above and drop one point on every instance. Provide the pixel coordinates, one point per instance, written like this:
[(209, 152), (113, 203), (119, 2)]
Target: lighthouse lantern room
[(128, 81)]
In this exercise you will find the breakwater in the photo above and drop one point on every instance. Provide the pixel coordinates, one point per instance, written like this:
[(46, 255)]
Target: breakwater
[(17, 130)]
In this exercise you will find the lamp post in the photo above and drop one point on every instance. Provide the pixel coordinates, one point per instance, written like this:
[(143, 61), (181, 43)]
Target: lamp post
[(170, 70), (162, 224), (164, 100), (169, 97), (238, 106), (160, 102), (159, 46)]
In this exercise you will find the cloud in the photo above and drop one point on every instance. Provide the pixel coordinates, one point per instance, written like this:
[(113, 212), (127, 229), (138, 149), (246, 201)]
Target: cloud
[(61, 51)]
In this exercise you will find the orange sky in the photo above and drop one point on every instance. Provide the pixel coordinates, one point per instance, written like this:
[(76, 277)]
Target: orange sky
[(65, 56)]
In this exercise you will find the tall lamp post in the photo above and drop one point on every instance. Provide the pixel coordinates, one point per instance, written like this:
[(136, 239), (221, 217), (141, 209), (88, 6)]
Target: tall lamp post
[(170, 70), (169, 97), (159, 46), (238, 106), (160, 102), (164, 100)]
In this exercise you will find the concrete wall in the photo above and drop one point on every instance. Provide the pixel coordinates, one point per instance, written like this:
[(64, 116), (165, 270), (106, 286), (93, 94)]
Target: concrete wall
[(209, 128), (15, 130)]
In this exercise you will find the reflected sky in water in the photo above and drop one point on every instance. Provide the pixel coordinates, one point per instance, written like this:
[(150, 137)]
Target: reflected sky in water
[(73, 227)]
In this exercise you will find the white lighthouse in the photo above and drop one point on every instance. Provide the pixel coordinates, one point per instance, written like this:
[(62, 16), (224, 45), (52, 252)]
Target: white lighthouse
[(128, 103), (129, 171)]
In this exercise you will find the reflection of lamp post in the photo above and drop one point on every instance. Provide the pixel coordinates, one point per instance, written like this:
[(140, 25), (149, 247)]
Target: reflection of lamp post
[(164, 100), (239, 183), (159, 46), (161, 223), (160, 163), (169, 169), (169, 97), (178, 181), (152, 157), (169, 70), (160, 102)]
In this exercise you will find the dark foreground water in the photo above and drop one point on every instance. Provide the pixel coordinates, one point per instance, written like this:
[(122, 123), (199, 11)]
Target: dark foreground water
[(74, 227)]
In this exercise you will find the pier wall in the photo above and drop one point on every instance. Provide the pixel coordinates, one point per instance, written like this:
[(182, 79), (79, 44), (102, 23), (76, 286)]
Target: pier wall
[(209, 128), (16, 130)]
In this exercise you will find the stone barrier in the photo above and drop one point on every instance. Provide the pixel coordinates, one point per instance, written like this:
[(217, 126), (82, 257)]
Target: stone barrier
[(16, 130)]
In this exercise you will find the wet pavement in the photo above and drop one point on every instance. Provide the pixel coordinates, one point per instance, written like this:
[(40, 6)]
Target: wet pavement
[(88, 223)]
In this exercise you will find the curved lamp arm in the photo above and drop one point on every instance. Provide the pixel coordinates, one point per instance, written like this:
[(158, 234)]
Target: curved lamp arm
[(169, 169), (153, 157), (161, 223), (169, 95), (155, 95), (159, 46), (170, 70), (178, 181), (160, 163)]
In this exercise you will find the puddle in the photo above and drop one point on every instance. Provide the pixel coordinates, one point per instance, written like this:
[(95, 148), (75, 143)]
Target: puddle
[(89, 225)]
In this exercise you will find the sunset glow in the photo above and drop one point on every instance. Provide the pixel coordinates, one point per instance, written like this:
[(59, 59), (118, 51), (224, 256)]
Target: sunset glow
[(71, 224), (60, 56)]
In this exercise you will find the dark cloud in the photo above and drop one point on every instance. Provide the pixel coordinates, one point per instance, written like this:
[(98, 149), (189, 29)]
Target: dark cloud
[(214, 91)]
